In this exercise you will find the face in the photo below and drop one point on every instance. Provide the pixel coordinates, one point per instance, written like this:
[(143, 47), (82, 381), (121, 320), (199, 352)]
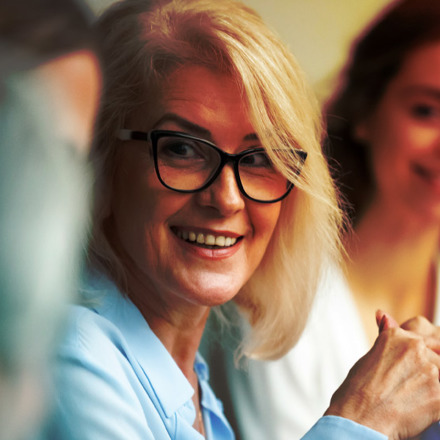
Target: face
[(155, 225), (404, 137)]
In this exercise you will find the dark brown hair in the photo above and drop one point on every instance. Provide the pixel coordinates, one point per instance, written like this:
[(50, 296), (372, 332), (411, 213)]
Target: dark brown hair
[(376, 57)]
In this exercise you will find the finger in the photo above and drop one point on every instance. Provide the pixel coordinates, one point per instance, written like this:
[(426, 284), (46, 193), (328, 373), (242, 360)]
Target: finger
[(430, 333), (433, 343), (420, 325), (434, 358), (385, 321)]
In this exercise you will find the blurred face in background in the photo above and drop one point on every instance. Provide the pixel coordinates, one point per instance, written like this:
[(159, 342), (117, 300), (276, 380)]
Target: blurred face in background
[(403, 135)]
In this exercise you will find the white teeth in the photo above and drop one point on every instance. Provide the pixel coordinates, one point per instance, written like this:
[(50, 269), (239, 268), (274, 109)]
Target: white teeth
[(208, 239), (220, 240)]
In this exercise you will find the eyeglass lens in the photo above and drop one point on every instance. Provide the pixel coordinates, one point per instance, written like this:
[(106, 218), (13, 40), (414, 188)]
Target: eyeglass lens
[(188, 164)]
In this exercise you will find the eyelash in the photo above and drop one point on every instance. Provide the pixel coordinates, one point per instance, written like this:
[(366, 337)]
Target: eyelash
[(425, 111)]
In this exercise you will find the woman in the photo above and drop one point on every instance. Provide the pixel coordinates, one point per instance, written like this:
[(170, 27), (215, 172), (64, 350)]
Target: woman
[(384, 149), (206, 125)]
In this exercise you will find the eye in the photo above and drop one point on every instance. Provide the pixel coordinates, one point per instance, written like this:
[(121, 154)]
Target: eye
[(256, 160), (182, 149), (178, 148), (425, 111)]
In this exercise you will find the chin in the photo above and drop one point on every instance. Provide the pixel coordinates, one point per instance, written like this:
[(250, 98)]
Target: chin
[(429, 214), (215, 292)]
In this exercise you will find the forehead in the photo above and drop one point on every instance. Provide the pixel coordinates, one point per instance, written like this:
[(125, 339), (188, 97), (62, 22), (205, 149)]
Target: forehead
[(202, 95), (422, 65), (195, 82)]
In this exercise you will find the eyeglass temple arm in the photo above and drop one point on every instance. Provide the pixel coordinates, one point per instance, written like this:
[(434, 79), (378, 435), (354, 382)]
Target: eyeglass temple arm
[(127, 135)]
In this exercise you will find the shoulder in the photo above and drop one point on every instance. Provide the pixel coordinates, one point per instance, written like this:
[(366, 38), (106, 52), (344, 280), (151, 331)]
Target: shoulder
[(93, 348), (86, 330), (98, 389)]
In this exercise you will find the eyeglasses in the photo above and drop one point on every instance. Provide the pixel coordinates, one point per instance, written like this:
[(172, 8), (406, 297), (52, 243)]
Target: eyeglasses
[(187, 164)]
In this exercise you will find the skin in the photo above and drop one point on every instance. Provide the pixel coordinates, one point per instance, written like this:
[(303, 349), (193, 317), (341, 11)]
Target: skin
[(393, 255), (175, 287), (402, 362)]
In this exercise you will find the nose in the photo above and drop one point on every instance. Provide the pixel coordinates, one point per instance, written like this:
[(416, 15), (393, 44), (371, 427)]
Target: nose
[(223, 194)]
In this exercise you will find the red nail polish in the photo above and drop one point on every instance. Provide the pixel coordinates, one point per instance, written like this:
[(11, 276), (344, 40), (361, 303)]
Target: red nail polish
[(382, 323)]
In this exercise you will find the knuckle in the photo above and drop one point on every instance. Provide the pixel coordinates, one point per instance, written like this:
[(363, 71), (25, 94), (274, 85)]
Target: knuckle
[(416, 323), (392, 334), (414, 348), (432, 373), (417, 345)]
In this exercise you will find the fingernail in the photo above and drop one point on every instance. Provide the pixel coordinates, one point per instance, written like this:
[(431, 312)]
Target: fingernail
[(382, 323)]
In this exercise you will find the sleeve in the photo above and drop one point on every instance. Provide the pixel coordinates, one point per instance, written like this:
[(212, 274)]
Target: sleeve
[(97, 398), (338, 428)]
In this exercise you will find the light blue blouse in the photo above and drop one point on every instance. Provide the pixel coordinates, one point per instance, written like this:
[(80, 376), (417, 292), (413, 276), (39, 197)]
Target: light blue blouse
[(116, 381)]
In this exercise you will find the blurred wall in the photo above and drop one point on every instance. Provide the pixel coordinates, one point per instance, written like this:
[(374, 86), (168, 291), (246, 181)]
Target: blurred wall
[(318, 32)]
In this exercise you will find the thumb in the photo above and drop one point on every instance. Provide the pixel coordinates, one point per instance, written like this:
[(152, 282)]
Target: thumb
[(385, 321)]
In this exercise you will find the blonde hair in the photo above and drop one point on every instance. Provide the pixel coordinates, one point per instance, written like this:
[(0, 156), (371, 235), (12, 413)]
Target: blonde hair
[(144, 41)]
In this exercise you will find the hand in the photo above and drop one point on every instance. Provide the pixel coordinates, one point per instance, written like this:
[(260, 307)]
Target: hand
[(395, 387), (419, 325), (428, 331)]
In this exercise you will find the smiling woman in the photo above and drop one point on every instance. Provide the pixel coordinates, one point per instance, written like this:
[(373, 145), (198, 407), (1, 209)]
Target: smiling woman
[(195, 91), (202, 102), (210, 189)]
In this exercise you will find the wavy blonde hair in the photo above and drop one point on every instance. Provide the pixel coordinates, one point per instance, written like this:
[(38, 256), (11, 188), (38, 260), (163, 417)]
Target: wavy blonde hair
[(143, 42)]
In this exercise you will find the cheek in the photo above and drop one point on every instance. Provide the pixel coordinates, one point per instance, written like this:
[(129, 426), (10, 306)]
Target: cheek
[(142, 204), (420, 139), (388, 143), (264, 219), (134, 199)]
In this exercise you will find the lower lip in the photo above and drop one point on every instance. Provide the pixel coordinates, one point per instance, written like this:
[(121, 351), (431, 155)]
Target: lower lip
[(210, 254)]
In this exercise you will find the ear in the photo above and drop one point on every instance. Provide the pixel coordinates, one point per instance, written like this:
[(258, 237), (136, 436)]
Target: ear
[(362, 131)]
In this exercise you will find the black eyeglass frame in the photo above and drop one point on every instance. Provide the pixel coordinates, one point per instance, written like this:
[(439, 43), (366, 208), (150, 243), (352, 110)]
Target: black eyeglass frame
[(153, 136)]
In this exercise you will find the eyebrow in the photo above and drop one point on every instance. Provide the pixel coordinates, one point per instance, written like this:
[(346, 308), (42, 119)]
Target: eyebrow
[(432, 92), (194, 128)]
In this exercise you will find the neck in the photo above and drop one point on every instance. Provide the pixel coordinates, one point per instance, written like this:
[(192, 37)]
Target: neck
[(391, 265), (393, 248), (181, 335), (178, 323)]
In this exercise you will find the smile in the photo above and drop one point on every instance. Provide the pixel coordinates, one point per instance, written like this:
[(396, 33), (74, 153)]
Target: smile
[(208, 240), (431, 175)]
